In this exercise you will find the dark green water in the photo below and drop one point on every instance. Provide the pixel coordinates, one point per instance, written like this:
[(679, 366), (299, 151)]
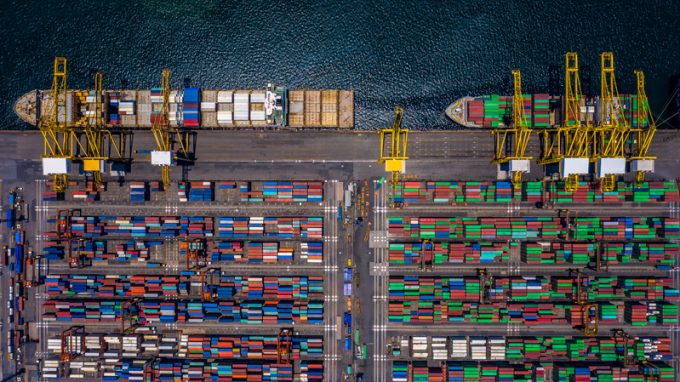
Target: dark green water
[(420, 54)]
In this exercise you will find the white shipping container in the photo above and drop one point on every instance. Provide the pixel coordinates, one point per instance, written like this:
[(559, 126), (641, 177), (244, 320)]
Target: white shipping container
[(241, 98), (225, 96), (208, 106), (257, 116), (258, 97)]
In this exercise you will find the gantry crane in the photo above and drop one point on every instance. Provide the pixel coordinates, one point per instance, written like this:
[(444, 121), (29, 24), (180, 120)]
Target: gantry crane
[(643, 133), (96, 135), (511, 143), (590, 312), (129, 315), (610, 135), (58, 133), (485, 283), (651, 375), (93, 159), (72, 343), (569, 145), (210, 280), (284, 347), (426, 254), (395, 161), (163, 133)]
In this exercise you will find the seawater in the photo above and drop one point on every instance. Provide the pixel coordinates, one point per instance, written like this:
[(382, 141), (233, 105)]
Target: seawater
[(419, 54)]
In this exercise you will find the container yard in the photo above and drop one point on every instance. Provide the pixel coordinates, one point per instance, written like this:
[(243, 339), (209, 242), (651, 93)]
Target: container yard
[(491, 282), (277, 255), (212, 280), (310, 279)]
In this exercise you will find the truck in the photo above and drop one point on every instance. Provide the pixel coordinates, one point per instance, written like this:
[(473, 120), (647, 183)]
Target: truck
[(339, 214), (347, 289), (347, 319), (347, 275), (348, 343), (19, 257)]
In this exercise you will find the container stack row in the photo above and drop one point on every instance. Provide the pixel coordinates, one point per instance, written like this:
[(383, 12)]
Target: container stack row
[(457, 192), (421, 371), (282, 227), (155, 311), (256, 347), (549, 228), (226, 287), (530, 313), (540, 348), (271, 252), (281, 191), (530, 288)]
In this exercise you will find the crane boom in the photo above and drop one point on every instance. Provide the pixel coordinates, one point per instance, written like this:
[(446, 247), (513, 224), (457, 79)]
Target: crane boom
[(395, 161), (643, 132), (569, 144), (163, 133), (511, 143), (58, 135), (611, 134)]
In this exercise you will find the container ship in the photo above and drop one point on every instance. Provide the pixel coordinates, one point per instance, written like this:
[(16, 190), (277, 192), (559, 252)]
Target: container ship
[(541, 110), (272, 106)]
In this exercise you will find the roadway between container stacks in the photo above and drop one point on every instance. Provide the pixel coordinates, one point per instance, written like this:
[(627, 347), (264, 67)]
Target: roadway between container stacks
[(232, 270), (380, 272), (55, 328), (509, 329), (529, 210), (332, 297), (502, 268)]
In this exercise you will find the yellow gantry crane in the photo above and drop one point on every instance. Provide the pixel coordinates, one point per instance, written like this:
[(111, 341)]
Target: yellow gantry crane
[(643, 133), (511, 143), (58, 133), (97, 134), (569, 144), (162, 133), (395, 161), (93, 161), (610, 135)]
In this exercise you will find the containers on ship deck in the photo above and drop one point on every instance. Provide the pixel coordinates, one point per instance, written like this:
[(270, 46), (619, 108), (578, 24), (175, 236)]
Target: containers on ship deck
[(320, 108), (195, 108)]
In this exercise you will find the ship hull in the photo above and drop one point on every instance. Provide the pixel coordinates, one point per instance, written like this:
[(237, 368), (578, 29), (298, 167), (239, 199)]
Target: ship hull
[(541, 111), (195, 108)]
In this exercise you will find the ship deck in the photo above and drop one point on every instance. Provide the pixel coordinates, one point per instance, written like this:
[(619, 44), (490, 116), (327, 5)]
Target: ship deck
[(216, 109)]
